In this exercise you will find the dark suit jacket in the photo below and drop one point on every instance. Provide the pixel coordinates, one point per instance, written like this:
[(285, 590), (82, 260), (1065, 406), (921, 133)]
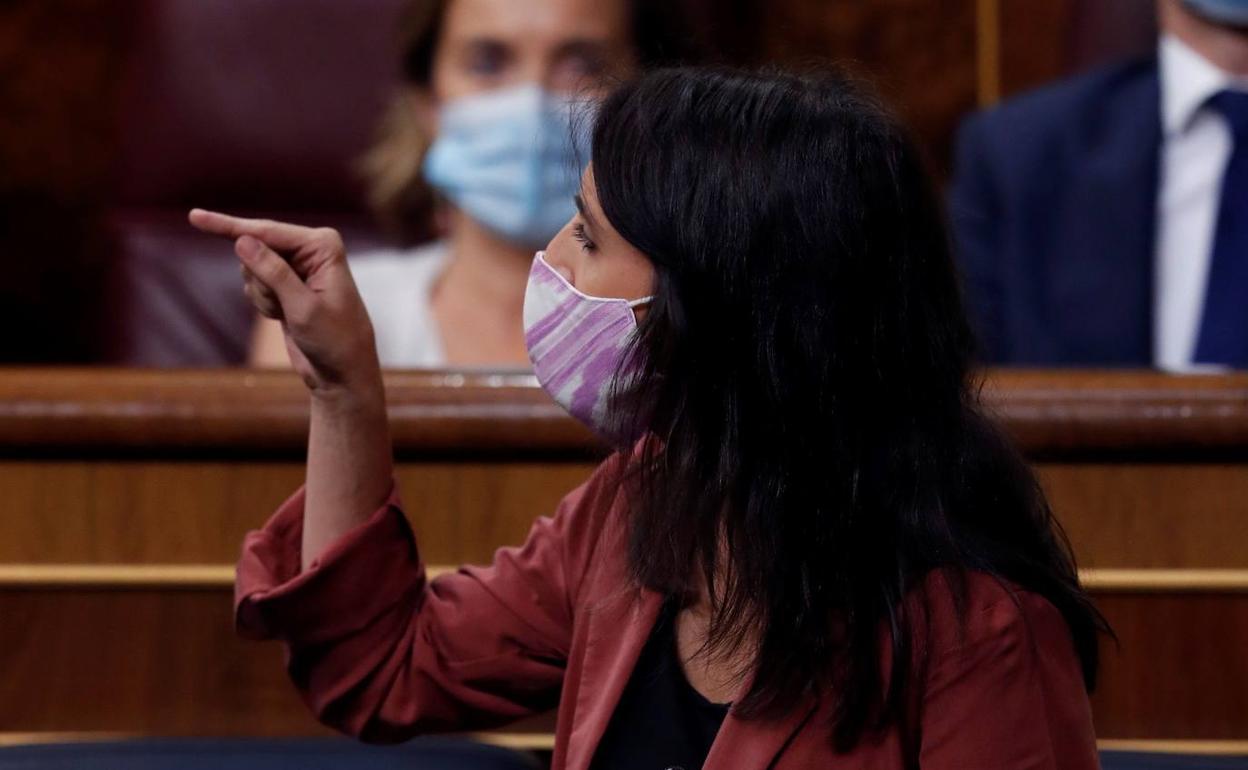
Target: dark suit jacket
[(1054, 211)]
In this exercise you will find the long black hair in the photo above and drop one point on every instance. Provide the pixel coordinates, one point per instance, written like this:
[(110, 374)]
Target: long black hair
[(815, 444)]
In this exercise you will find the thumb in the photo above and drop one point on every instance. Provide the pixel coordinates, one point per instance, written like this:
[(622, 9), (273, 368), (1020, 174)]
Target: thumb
[(273, 272)]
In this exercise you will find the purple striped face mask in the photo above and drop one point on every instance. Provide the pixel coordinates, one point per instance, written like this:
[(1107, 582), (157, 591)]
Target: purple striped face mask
[(577, 344)]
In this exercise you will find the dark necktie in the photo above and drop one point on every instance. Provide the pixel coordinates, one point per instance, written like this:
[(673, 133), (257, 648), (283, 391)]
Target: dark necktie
[(1224, 325)]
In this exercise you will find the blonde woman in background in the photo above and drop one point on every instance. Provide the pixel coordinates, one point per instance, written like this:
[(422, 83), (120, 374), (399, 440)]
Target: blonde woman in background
[(485, 133)]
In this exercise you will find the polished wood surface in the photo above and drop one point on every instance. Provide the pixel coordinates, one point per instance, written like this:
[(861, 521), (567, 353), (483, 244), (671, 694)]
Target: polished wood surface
[(230, 411), (1151, 514), (1117, 514), (1042, 42), (75, 410), (96, 577), (1143, 470), (124, 495), (196, 512), (162, 661), (1180, 670), (144, 661), (921, 55)]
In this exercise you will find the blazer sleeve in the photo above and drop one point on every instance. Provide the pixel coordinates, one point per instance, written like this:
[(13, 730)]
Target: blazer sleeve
[(975, 214), (1007, 692), (382, 653)]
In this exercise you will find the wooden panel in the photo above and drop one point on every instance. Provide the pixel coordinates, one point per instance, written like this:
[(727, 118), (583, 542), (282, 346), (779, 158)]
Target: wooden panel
[(1121, 515), (60, 62), (62, 141), (1033, 42), (164, 662), (167, 662), (1043, 42), (191, 512), (921, 54), (154, 662), (1182, 669), (495, 451), (1163, 515), (141, 468)]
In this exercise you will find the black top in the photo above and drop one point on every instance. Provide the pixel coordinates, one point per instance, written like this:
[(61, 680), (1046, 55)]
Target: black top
[(661, 722)]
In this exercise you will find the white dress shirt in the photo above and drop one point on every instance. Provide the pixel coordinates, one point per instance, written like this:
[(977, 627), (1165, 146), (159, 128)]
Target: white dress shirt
[(1196, 147)]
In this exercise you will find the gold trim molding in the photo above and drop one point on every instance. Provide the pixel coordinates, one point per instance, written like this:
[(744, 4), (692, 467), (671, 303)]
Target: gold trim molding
[(546, 742), (519, 741), (180, 576), (221, 576), (1147, 580), (987, 52), (121, 576), (1151, 746)]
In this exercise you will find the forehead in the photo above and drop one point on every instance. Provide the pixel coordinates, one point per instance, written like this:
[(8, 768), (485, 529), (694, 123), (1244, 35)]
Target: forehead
[(541, 19), (589, 192)]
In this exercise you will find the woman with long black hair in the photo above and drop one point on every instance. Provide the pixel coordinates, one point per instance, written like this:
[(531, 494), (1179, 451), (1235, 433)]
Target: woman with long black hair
[(812, 550)]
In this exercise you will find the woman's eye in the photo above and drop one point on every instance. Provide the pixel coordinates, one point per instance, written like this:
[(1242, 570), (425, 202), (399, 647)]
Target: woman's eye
[(578, 232), (486, 59), (583, 64)]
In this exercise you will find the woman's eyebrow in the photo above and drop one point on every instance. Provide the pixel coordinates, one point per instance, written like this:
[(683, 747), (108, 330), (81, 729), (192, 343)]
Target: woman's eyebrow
[(581, 207)]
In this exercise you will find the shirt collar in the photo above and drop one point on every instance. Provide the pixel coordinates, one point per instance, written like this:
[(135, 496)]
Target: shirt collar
[(1187, 81)]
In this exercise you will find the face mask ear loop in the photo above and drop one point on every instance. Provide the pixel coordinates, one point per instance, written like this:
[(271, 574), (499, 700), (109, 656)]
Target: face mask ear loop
[(632, 304)]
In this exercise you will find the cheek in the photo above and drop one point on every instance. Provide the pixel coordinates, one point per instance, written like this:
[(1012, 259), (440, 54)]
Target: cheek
[(563, 253), (636, 275), (453, 83)]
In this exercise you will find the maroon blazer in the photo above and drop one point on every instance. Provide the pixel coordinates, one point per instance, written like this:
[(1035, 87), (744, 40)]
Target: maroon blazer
[(382, 653)]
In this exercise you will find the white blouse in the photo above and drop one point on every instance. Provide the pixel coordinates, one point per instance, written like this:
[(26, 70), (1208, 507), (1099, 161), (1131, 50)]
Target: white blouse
[(397, 288)]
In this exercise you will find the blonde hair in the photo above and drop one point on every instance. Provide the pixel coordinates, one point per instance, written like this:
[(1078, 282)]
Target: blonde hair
[(394, 186)]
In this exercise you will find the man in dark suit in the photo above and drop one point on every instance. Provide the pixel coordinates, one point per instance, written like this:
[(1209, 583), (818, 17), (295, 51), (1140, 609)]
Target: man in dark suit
[(1103, 221)]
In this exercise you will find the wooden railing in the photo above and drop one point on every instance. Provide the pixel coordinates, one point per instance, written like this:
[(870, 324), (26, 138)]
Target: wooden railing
[(124, 495), (216, 410)]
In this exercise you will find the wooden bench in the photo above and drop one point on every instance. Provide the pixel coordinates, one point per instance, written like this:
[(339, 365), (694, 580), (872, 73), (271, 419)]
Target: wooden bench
[(124, 496)]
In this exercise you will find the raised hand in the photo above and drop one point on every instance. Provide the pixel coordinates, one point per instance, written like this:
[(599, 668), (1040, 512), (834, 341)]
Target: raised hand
[(299, 276)]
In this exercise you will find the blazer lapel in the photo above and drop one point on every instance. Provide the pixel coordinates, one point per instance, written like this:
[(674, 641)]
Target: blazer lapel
[(754, 744), (1102, 272), (618, 631)]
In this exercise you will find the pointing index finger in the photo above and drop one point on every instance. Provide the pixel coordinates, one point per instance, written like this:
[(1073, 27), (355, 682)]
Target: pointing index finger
[(279, 235)]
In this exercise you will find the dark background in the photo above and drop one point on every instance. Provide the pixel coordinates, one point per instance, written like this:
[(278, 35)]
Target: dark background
[(66, 114)]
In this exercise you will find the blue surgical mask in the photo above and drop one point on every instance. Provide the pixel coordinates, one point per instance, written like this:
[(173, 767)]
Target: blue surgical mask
[(1230, 12), (511, 160)]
